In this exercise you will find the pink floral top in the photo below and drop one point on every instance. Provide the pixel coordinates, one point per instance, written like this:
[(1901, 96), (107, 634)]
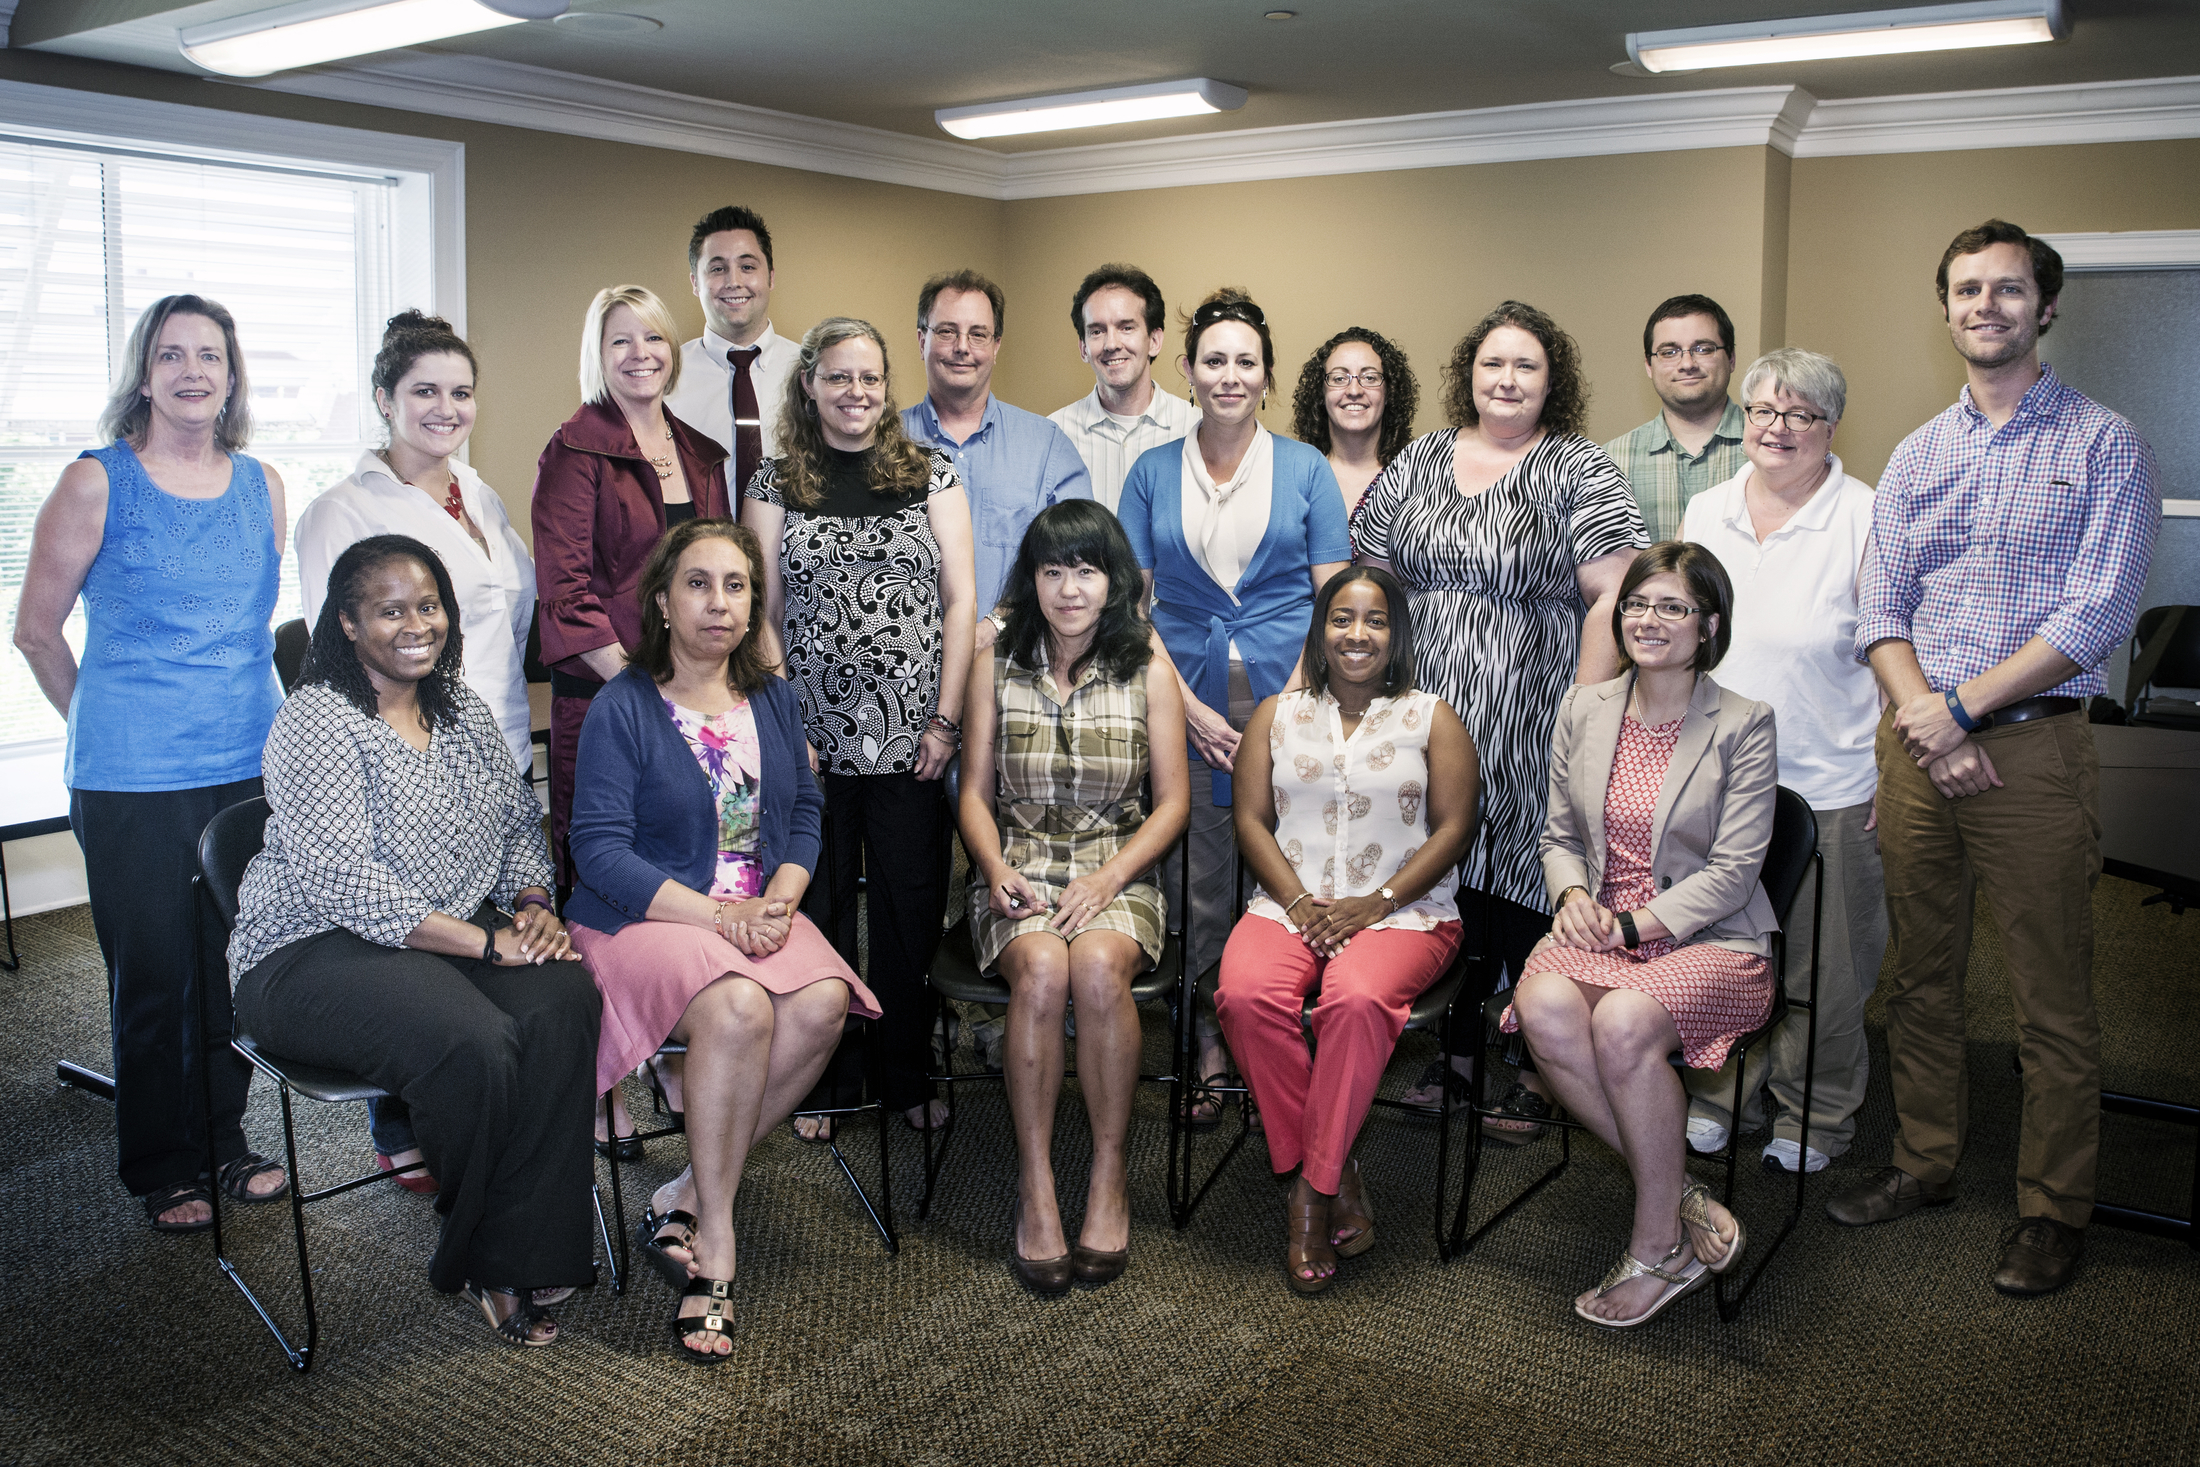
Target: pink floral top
[(724, 744)]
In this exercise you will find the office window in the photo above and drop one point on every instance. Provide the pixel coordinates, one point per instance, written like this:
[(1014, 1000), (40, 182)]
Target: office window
[(90, 237)]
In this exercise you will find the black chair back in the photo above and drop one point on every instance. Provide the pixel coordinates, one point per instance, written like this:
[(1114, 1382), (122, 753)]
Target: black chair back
[(291, 639), (2179, 663), (227, 845), (1787, 858), (532, 661)]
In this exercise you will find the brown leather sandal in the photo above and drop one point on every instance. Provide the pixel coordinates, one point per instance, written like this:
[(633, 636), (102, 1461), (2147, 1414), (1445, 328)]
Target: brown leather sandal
[(1306, 1233), (1351, 1220)]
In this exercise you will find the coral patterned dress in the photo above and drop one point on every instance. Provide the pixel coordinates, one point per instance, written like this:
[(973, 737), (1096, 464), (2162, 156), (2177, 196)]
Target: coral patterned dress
[(1714, 994)]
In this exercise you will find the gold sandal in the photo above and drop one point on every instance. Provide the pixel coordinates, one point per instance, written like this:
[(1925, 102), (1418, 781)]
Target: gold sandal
[(1677, 1285), (1695, 1212)]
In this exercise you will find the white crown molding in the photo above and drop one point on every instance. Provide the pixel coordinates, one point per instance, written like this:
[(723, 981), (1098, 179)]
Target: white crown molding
[(2134, 249), (2014, 117)]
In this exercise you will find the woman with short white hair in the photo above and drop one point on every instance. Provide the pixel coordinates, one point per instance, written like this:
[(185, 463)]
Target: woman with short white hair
[(1792, 530)]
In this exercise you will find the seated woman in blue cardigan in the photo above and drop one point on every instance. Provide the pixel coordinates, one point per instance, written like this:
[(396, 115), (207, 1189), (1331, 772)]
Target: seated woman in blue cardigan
[(694, 833), (1236, 530)]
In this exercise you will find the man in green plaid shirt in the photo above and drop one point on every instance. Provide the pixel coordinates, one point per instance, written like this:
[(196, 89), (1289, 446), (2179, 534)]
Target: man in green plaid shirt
[(1696, 441)]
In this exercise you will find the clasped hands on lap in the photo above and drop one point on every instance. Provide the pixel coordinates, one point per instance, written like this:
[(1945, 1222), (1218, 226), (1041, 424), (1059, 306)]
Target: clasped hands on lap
[(1585, 923), (1081, 900)]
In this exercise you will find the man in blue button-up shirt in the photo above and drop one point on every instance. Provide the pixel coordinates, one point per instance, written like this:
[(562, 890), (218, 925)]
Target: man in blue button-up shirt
[(1012, 463), (2010, 542)]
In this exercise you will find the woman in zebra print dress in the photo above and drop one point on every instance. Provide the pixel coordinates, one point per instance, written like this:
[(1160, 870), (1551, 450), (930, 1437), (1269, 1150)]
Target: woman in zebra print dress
[(1500, 527)]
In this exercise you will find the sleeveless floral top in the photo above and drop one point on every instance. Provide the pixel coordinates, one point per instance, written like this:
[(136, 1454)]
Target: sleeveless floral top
[(724, 744)]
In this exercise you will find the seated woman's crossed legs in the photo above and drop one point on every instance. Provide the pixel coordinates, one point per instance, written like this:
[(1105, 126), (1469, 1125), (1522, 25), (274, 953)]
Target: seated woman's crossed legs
[(1094, 968), (751, 1056), (1606, 1054)]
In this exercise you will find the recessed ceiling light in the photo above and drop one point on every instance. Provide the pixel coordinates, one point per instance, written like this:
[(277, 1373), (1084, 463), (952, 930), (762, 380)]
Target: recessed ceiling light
[(607, 23), (1188, 98), (1281, 15), (314, 31), (1868, 33)]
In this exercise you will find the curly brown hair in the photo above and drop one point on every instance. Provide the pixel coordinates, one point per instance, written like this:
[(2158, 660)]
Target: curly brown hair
[(897, 465), (1565, 408), (746, 669), (1401, 395)]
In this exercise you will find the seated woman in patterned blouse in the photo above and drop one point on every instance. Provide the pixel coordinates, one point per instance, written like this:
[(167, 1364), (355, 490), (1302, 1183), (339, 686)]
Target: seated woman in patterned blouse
[(1661, 809), (1355, 800), (370, 936), (695, 830), (1064, 723)]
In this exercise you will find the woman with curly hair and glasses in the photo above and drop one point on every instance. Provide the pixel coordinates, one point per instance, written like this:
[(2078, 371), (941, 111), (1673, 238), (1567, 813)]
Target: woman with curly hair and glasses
[(1499, 527), (1355, 402), (372, 933)]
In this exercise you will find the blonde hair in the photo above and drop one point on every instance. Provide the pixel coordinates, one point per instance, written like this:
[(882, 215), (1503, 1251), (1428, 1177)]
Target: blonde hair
[(897, 465), (129, 412), (643, 302)]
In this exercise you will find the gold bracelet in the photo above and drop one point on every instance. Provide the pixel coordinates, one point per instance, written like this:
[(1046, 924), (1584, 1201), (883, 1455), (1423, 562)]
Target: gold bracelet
[(1301, 897)]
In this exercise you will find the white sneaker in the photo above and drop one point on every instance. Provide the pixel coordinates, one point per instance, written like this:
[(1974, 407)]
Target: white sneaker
[(1706, 1137), (986, 1038), (1781, 1153)]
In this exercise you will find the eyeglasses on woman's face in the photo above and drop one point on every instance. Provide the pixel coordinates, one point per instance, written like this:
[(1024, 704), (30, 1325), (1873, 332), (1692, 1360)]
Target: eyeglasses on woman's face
[(1666, 610), (1795, 420), (1366, 377), (841, 381)]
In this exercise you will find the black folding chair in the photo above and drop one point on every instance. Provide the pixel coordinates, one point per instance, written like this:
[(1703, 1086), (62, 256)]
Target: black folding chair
[(1792, 853), (291, 640)]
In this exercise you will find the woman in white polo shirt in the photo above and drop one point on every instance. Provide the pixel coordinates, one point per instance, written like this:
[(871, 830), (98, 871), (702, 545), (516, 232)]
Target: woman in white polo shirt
[(1792, 531)]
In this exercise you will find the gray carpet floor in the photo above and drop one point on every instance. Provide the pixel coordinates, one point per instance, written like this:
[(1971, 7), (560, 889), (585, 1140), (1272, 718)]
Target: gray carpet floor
[(1879, 1346)]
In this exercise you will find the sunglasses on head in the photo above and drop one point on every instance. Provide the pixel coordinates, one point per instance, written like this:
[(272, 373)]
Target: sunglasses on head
[(1215, 311)]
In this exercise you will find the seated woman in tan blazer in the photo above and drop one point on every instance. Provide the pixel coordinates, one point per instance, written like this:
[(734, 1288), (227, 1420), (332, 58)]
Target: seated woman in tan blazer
[(1661, 809)]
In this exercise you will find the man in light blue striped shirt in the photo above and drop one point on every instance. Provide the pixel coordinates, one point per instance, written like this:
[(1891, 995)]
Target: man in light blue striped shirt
[(1120, 319)]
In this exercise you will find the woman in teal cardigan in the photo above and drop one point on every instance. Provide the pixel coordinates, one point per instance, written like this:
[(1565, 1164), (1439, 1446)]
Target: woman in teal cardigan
[(1235, 529)]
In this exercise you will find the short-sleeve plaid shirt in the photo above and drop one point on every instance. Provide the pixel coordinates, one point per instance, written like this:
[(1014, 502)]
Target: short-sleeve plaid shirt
[(1664, 476), (1984, 537)]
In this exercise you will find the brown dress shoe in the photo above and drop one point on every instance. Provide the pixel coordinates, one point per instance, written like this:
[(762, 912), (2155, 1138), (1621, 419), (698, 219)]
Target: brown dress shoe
[(1885, 1195), (2038, 1256)]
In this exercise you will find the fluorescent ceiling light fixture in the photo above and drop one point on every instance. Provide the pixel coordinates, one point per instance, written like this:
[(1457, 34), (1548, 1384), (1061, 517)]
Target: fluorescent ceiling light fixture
[(1870, 33), (1189, 98), (314, 31)]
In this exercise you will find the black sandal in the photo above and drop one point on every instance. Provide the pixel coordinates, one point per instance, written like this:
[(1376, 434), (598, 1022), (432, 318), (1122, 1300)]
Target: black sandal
[(629, 1149), (1458, 1088), (516, 1328), (711, 1322), (173, 1196), (235, 1178), (1518, 1104), (1203, 1092), (653, 1243)]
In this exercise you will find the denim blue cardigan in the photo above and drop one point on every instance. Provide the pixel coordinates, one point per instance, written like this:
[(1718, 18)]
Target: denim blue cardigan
[(642, 809), (1268, 617)]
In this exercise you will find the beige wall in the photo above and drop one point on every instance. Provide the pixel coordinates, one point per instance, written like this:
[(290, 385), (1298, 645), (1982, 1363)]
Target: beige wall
[(1418, 256), (552, 219), (1868, 234)]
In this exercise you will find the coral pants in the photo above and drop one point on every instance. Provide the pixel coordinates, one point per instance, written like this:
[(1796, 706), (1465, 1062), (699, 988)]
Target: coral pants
[(1311, 1105)]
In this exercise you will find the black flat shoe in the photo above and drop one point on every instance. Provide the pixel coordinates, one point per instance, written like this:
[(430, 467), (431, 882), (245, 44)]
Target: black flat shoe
[(648, 1239), (629, 1149)]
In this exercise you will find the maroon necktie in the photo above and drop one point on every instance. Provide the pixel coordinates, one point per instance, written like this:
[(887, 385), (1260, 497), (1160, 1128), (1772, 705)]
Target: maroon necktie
[(748, 428)]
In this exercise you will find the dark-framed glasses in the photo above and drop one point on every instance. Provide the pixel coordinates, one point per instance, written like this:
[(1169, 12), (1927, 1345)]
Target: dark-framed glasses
[(1366, 377), (1701, 350), (1795, 420), (1666, 610)]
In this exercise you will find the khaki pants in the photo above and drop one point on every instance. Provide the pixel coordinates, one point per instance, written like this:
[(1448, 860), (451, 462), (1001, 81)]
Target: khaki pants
[(2034, 847), (1854, 924)]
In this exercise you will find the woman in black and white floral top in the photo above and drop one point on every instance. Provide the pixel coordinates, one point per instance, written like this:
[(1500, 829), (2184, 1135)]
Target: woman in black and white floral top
[(372, 933), (869, 596)]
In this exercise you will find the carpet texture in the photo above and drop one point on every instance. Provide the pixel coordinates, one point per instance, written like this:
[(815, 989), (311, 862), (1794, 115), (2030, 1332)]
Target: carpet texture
[(1883, 1345)]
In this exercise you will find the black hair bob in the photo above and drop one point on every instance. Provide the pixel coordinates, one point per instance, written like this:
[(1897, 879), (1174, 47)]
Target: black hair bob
[(1079, 532)]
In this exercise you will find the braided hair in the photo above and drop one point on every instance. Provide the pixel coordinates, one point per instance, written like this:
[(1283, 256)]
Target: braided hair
[(332, 661)]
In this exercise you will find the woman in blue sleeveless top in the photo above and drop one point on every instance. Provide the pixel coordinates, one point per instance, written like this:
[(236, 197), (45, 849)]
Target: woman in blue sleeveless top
[(173, 538)]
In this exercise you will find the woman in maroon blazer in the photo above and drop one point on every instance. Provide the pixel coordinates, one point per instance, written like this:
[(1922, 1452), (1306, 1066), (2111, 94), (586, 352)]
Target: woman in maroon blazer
[(612, 480)]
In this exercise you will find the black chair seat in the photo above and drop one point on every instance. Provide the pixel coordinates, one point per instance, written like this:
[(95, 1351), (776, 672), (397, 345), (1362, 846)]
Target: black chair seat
[(955, 973), (332, 1087)]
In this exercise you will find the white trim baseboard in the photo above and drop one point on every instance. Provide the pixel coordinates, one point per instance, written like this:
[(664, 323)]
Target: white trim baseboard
[(2132, 249), (432, 171)]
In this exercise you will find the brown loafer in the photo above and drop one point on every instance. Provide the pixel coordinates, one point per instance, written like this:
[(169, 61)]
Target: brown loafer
[(1885, 1195), (2038, 1256)]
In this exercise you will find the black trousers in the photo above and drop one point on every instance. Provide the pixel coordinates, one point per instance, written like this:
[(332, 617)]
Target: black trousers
[(498, 1066), (140, 853), (889, 828), (1503, 928)]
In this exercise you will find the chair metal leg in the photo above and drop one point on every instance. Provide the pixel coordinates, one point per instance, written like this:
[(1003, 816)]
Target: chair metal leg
[(300, 1357), (620, 1260), (1480, 1107)]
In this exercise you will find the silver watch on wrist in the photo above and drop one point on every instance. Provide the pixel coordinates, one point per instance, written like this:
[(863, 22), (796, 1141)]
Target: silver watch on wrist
[(1389, 896)]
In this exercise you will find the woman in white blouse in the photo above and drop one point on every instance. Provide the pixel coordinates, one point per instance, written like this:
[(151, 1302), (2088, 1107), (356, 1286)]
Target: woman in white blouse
[(1792, 530), (1355, 800), (424, 389)]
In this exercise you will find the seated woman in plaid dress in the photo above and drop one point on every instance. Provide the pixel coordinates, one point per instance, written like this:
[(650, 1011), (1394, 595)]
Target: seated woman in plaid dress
[(1064, 726)]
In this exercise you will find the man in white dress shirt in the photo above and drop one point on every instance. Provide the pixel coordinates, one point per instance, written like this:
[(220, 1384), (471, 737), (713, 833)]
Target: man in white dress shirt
[(1119, 317), (734, 376)]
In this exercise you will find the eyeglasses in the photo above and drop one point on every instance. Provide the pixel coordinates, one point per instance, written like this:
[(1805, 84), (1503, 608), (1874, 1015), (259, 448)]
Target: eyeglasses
[(1366, 377), (1796, 420), (1215, 311), (839, 381), (1666, 610), (979, 337), (1671, 353)]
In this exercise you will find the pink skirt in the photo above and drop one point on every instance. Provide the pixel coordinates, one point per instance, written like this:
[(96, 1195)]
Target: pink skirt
[(1714, 994), (649, 972)]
